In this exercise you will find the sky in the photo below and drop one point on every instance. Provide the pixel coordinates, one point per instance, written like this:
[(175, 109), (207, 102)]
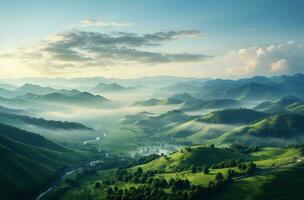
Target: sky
[(135, 38)]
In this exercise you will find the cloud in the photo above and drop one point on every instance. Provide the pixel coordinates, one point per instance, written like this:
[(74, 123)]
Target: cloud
[(279, 66), (274, 59), (83, 50), (99, 23)]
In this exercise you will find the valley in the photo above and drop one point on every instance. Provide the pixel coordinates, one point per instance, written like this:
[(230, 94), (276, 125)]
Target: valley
[(118, 140)]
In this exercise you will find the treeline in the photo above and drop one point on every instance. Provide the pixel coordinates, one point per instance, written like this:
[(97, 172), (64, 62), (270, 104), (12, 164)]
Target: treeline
[(243, 148), (240, 164), (159, 188)]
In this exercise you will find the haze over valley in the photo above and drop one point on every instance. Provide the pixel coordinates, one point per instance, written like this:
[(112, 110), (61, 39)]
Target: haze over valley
[(174, 100)]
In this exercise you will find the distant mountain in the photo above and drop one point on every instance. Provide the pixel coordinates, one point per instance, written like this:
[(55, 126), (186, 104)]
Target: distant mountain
[(10, 110), (81, 98), (113, 87), (14, 102), (251, 89), (6, 93), (254, 91), (275, 130), (157, 102), (34, 89), (30, 158), (211, 104), (15, 120), (181, 87), (137, 117), (233, 116), (184, 97), (7, 86), (173, 100), (68, 92)]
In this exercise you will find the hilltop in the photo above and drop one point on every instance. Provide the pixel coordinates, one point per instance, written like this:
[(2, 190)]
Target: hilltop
[(283, 129)]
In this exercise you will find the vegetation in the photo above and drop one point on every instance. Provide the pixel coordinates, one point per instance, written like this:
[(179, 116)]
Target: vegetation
[(28, 157)]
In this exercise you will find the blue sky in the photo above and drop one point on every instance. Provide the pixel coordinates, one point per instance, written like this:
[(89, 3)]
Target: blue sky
[(225, 26)]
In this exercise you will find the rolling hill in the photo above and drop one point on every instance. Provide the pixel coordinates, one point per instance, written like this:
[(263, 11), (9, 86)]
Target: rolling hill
[(210, 104), (186, 167), (80, 98), (283, 129), (199, 156), (6, 93), (23, 120), (233, 116), (30, 158), (152, 125), (285, 104), (252, 89), (34, 89), (10, 110)]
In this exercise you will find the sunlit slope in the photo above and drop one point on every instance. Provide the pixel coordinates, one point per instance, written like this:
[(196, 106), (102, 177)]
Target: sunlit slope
[(282, 105), (275, 130), (197, 132), (284, 182), (29, 161), (262, 184), (233, 116), (198, 156), (212, 125)]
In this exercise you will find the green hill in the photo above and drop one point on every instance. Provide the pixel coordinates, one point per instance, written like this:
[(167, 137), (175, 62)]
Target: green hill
[(296, 108), (159, 124), (205, 128), (275, 130), (211, 104), (180, 175), (15, 120), (195, 131), (254, 91), (280, 105), (233, 116), (79, 98), (199, 156), (30, 158)]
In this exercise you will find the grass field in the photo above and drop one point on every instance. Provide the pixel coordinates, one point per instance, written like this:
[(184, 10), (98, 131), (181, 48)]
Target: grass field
[(276, 167)]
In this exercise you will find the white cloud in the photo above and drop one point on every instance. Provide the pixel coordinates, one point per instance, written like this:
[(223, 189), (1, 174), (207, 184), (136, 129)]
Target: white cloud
[(100, 23), (279, 66), (274, 59), (85, 52)]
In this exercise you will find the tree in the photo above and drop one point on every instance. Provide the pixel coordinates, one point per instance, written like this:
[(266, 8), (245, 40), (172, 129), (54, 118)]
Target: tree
[(97, 184), (251, 168), (193, 169), (219, 176), (109, 190), (188, 149), (139, 170), (230, 175), (206, 170)]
